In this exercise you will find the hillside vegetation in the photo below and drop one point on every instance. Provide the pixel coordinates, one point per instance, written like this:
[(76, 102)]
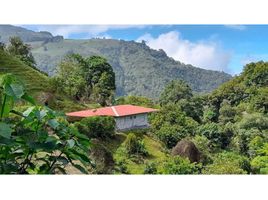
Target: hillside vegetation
[(222, 132), (34, 81), (139, 70)]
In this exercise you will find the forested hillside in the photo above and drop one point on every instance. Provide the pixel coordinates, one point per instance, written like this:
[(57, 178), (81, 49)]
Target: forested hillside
[(139, 70), (221, 132)]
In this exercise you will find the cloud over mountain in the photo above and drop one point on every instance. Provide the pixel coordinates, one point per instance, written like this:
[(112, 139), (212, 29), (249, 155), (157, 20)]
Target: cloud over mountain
[(204, 54)]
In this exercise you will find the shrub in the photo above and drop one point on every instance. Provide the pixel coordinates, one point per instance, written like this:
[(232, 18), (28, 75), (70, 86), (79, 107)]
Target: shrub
[(170, 135), (135, 145), (179, 165), (102, 158), (228, 163), (259, 165), (150, 168), (202, 144), (219, 136), (97, 127), (121, 167)]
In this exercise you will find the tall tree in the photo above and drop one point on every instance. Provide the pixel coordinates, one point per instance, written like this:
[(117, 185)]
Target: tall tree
[(175, 91), (21, 51), (86, 78), (100, 79)]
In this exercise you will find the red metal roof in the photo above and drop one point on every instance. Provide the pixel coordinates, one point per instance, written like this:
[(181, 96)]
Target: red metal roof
[(116, 111)]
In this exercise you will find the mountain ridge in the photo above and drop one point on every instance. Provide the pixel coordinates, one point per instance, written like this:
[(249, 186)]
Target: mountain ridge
[(139, 69)]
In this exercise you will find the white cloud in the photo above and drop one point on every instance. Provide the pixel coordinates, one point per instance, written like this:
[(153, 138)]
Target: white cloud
[(203, 54), (236, 27), (89, 30)]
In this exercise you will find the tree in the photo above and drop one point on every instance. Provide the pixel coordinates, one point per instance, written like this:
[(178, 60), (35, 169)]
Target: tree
[(259, 163), (175, 91), (86, 78), (97, 127), (170, 134), (171, 125), (218, 136), (228, 163), (2, 45), (227, 113), (260, 100), (134, 145), (193, 107), (22, 51), (256, 74), (100, 77), (255, 121), (69, 78), (135, 100)]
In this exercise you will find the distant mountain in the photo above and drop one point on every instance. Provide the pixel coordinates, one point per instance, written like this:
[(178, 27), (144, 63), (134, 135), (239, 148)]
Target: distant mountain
[(139, 69), (7, 31)]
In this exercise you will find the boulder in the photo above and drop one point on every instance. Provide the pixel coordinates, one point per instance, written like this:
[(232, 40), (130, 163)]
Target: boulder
[(186, 149)]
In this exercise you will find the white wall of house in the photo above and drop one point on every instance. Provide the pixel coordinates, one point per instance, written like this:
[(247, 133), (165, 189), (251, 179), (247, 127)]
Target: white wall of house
[(132, 121)]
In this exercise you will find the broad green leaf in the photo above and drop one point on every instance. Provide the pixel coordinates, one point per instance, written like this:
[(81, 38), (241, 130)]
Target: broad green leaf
[(28, 98), (5, 130), (53, 123), (70, 143), (27, 112), (80, 156), (40, 114), (8, 106), (14, 90)]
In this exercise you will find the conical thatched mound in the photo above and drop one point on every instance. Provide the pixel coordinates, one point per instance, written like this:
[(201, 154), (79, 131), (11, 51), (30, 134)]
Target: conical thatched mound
[(186, 149)]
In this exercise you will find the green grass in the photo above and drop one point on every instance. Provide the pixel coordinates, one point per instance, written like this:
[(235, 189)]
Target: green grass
[(33, 80), (134, 164)]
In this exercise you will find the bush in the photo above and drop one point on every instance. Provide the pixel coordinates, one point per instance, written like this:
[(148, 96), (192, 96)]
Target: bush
[(228, 163), (97, 127), (178, 165), (102, 158), (219, 136), (134, 145), (259, 165), (170, 135), (121, 167), (150, 168)]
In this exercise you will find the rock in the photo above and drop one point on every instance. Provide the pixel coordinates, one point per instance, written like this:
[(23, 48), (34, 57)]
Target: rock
[(186, 149)]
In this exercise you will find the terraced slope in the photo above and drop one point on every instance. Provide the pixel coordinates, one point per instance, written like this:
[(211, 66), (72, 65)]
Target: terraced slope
[(34, 81)]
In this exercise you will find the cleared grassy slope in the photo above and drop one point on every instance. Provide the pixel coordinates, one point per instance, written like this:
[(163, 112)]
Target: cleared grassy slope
[(34, 81)]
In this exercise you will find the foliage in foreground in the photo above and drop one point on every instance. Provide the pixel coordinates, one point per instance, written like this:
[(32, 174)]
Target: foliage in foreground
[(39, 140)]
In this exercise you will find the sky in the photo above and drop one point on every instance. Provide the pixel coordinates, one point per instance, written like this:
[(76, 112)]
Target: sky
[(217, 47)]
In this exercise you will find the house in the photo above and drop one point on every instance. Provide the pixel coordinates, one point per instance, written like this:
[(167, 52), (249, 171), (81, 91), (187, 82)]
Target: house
[(126, 116)]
